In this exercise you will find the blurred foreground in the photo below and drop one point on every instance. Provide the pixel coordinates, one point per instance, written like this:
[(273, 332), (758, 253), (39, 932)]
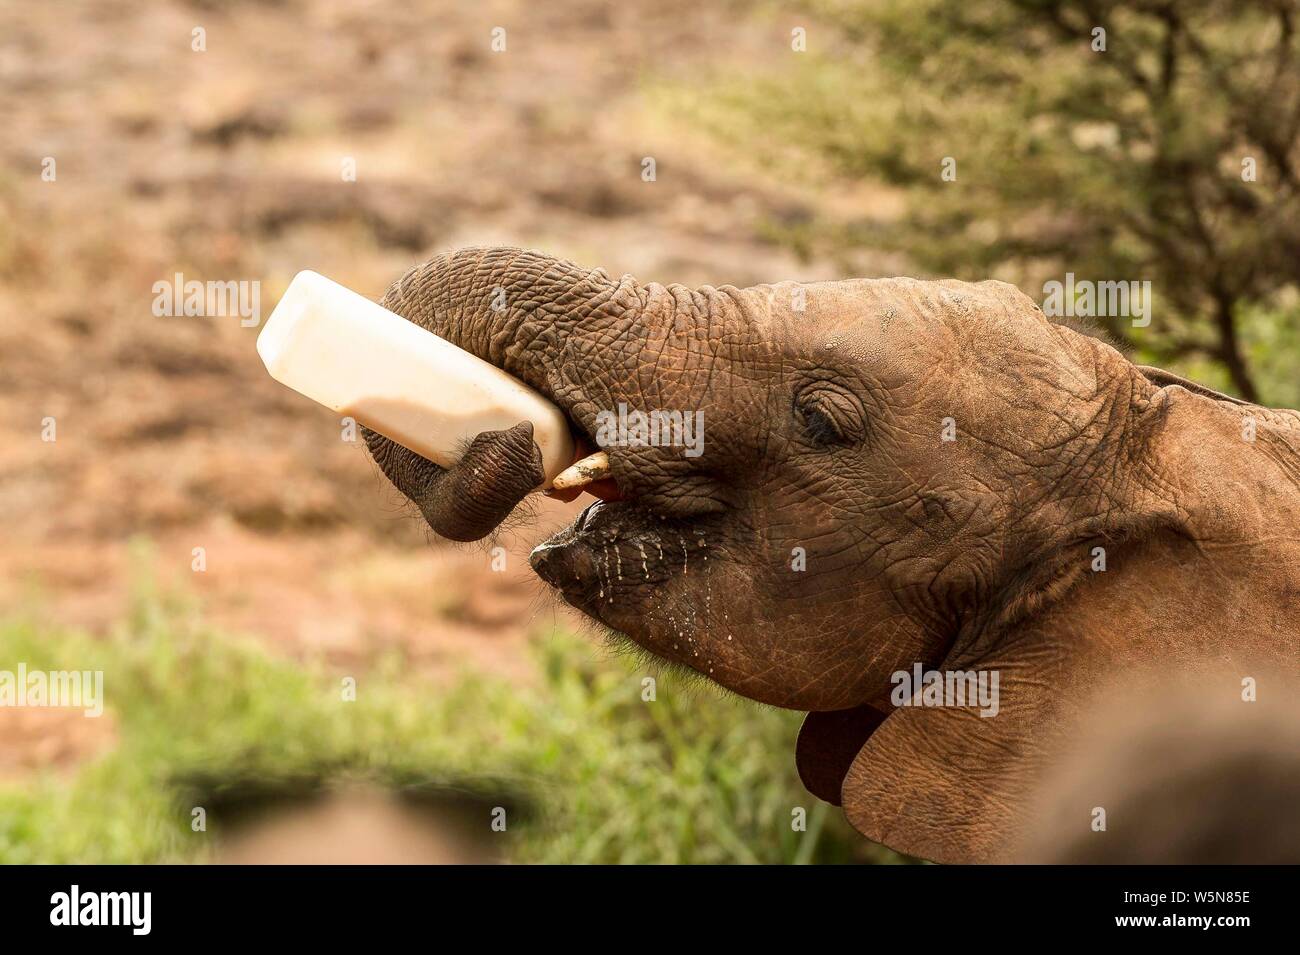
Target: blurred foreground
[(215, 751)]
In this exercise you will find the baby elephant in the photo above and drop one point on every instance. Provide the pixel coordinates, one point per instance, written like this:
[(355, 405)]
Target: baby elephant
[(920, 511)]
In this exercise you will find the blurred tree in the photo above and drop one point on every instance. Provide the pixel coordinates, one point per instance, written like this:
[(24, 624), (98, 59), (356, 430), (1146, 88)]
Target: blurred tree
[(1149, 139)]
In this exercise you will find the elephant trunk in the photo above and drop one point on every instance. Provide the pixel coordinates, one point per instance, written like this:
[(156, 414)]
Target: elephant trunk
[(537, 317), (599, 348)]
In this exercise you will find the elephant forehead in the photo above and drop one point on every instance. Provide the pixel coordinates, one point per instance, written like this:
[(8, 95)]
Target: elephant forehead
[(877, 306)]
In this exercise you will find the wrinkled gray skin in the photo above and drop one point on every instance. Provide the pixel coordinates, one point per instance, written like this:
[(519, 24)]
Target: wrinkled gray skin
[(824, 407)]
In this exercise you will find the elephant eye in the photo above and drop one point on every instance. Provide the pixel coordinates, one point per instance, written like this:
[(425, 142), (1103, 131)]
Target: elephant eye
[(820, 426), (830, 416)]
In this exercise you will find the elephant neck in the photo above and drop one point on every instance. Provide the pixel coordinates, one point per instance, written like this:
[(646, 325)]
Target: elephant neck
[(1199, 590), (1212, 483), (960, 784)]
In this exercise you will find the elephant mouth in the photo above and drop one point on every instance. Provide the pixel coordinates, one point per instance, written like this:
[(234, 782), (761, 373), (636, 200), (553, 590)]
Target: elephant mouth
[(612, 559), (613, 562)]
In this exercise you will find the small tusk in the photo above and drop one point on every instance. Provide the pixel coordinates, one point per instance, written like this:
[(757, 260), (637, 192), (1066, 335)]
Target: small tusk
[(593, 467)]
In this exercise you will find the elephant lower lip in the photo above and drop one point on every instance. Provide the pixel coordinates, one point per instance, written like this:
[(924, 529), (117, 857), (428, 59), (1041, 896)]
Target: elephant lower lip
[(564, 564), (610, 554)]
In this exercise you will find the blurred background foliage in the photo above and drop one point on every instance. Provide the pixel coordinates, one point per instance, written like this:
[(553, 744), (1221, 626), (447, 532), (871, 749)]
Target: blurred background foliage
[(1115, 140), (593, 773)]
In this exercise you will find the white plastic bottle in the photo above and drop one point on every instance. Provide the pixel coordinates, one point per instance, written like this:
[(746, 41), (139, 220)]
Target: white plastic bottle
[(355, 356)]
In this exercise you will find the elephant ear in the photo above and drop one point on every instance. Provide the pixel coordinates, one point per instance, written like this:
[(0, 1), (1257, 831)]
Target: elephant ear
[(940, 783), (828, 744), (1162, 378), (929, 783)]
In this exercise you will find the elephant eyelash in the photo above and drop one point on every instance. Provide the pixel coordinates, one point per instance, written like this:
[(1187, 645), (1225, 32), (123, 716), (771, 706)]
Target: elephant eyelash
[(819, 426), (829, 417)]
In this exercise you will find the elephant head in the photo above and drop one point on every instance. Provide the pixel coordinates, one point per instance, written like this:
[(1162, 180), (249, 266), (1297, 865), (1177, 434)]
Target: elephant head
[(895, 478)]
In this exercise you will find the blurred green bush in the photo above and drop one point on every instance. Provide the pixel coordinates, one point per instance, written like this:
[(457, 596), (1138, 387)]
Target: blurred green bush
[(1119, 140), (690, 777)]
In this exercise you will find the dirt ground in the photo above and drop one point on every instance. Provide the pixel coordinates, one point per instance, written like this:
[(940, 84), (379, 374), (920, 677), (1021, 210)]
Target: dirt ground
[(226, 164)]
